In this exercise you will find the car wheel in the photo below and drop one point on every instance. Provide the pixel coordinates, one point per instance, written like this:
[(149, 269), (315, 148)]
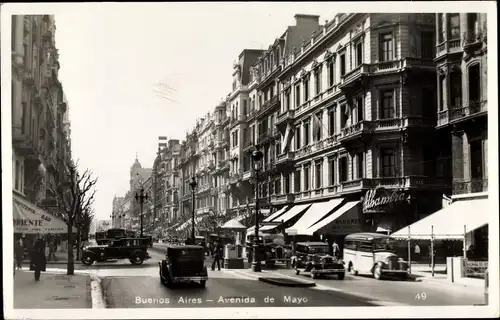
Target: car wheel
[(351, 269), (136, 260), (203, 283), (313, 273), (341, 275), (297, 271), (377, 272), (87, 260)]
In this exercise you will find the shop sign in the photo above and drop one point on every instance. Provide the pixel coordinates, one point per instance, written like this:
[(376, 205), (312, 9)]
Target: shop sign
[(347, 223), (381, 197)]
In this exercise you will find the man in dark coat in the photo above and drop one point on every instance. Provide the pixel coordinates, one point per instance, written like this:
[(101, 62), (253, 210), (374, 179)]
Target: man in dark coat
[(19, 254), (216, 253), (38, 259)]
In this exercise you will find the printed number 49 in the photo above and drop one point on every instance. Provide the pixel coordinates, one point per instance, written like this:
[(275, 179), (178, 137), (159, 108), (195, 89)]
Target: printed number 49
[(421, 296)]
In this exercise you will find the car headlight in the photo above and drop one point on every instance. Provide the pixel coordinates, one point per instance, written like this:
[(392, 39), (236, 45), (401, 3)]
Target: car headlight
[(273, 250)]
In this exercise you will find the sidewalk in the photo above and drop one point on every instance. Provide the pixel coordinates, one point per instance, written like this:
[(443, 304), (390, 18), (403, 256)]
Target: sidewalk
[(422, 272), (53, 291), (61, 258)]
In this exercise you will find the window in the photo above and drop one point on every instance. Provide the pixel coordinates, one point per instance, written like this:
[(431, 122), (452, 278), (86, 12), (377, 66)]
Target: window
[(331, 73), (278, 146), (318, 134), (442, 97), (387, 105), (360, 108), (306, 178), (317, 79), (331, 171), (297, 138), (306, 88), (277, 186), (306, 132), (365, 247), (287, 183), (474, 84), (454, 26), (388, 162), (442, 27), (386, 47), (342, 64), (287, 100), (456, 89), (427, 45), (297, 181), (361, 165), (344, 115), (472, 25), (476, 160), (319, 172), (245, 107), (271, 92), (17, 175), (297, 96), (343, 167), (359, 53), (331, 121)]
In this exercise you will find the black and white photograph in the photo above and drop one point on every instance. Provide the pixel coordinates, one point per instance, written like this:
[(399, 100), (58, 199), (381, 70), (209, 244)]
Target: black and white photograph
[(249, 160)]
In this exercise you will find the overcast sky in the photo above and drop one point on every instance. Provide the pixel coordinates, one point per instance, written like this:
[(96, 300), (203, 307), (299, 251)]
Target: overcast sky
[(112, 55)]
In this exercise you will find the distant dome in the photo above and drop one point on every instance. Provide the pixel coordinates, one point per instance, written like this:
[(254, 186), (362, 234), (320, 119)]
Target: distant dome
[(137, 164)]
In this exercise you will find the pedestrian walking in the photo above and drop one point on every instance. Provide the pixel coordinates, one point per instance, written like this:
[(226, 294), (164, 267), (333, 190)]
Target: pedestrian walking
[(335, 249), (417, 252), (38, 260), (52, 250), (216, 254), (18, 254)]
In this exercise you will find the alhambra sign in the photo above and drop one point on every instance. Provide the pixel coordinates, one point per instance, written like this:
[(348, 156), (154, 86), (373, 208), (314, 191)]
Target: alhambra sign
[(380, 197)]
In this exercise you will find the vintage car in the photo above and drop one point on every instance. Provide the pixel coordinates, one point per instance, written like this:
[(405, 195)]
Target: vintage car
[(276, 253), (133, 249), (373, 253), (183, 263), (314, 257)]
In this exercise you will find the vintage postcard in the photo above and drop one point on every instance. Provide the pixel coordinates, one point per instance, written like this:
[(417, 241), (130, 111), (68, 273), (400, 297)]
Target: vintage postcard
[(250, 160)]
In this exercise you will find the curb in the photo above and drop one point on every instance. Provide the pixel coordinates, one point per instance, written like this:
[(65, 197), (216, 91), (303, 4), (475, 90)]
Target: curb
[(96, 292), (290, 284)]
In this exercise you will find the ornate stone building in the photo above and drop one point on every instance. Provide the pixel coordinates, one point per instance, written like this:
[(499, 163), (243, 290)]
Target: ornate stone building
[(40, 124)]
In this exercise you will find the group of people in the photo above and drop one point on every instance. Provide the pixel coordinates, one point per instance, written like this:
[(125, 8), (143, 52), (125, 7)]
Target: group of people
[(38, 259)]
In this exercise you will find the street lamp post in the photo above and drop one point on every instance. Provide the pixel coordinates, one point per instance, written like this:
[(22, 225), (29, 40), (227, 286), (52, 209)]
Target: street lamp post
[(193, 185), (141, 198), (257, 156)]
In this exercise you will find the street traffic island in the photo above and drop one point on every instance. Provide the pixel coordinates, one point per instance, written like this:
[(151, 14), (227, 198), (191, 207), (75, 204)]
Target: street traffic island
[(287, 282)]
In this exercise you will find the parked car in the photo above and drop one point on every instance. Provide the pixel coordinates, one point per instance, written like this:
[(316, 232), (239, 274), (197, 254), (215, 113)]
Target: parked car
[(373, 253), (183, 263), (276, 253), (133, 249), (315, 258)]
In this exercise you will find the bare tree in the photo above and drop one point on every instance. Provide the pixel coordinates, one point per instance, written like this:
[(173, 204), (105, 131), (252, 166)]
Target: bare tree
[(74, 192)]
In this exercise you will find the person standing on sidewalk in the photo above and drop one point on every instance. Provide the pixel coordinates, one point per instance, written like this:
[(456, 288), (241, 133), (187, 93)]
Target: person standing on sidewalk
[(417, 252), (216, 253), (335, 249), (38, 260), (18, 254)]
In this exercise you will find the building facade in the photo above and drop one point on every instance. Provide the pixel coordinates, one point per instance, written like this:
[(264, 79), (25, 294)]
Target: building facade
[(40, 124), (462, 115), (358, 99)]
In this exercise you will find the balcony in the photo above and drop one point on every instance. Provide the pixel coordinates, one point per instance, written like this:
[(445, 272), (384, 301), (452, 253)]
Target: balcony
[(28, 78), (419, 63), (457, 114), (265, 137), (472, 186), (211, 165), (238, 120), (248, 145), (353, 78), (234, 178), (247, 175), (252, 114), (473, 39), (283, 198), (285, 158), (214, 191), (449, 46), (285, 117), (354, 131), (268, 105)]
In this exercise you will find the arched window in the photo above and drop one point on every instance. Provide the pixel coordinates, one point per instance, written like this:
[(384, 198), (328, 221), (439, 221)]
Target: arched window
[(474, 83)]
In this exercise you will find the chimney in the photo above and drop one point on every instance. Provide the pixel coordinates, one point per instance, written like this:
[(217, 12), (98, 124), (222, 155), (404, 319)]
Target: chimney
[(301, 19)]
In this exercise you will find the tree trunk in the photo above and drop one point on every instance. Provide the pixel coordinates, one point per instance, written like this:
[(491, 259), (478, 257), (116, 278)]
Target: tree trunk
[(71, 263), (78, 242)]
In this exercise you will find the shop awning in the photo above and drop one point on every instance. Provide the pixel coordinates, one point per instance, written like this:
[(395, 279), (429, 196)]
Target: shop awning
[(276, 214), (344, 220), (29, 218), (452, 222), (314, 214), (290, 214)]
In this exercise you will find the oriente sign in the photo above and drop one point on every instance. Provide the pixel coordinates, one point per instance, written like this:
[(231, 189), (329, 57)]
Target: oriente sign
[(381, 197)]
